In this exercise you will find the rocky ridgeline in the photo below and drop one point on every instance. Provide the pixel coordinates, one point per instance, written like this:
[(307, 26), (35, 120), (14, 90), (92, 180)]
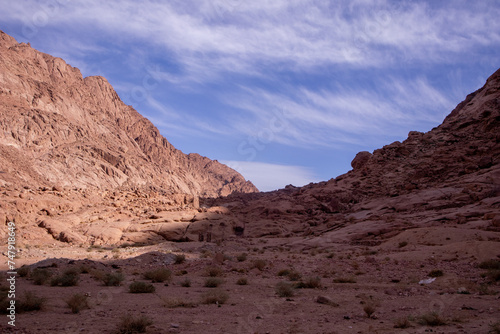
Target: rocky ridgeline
[(449, 174), (58, 128)]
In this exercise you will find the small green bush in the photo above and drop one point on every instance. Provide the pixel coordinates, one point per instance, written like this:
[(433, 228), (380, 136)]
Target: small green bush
[(158, 275), (131, 325), (141, 287), (285, 289)]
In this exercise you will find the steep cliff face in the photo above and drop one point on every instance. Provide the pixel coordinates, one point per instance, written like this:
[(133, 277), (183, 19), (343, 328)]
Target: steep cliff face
[(58, 128)]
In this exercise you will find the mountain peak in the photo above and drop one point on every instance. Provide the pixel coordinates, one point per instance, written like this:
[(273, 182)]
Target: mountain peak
[(6, 41), (77, 132)]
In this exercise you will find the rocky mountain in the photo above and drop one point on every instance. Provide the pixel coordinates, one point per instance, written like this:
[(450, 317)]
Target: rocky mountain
[(408, 240), (115, 174), (449, 174), (60, 129)]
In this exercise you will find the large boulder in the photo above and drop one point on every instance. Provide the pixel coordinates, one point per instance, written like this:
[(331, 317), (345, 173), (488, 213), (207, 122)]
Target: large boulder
[(360, 159)]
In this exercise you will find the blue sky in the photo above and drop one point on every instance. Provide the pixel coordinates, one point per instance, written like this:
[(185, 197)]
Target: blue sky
[(286, 92)]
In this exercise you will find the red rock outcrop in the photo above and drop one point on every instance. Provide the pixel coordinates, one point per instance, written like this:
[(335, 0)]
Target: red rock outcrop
[(58, 128)]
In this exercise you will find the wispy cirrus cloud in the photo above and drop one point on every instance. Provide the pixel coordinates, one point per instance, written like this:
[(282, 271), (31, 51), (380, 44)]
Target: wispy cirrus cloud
[(347, 115), (237, 36)]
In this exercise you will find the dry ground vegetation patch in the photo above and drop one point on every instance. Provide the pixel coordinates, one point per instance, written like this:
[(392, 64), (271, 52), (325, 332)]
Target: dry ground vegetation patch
[(262, 285)]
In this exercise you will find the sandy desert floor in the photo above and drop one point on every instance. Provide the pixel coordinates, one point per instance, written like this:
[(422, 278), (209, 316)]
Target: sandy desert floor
[(333, 289)]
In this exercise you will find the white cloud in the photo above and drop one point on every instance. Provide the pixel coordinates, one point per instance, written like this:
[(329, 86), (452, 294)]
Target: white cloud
[(328, 118), (267, 177), (210, 38)]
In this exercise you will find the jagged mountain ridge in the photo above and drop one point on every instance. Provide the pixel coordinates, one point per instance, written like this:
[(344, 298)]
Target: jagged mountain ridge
[(58, 128)]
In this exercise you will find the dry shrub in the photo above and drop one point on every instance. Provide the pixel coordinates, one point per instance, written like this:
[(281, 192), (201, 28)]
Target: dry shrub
[(294, 275), (77, 302), (369, 309), (490, 264), (186, 283), (431, 319), (213, 271), (158, 275), (402, 323), (40, 276), (131, 325), (241, 257), (259, 264), (285, 289), (242, 281), (214, 297), (436, 273), (69, 278), (177, 302), (310, 283), (213, 282), (180, 258), (30, 302), (344, 280), (141, 287)]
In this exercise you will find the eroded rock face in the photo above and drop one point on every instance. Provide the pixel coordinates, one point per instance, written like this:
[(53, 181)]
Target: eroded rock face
[(58, 128)]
